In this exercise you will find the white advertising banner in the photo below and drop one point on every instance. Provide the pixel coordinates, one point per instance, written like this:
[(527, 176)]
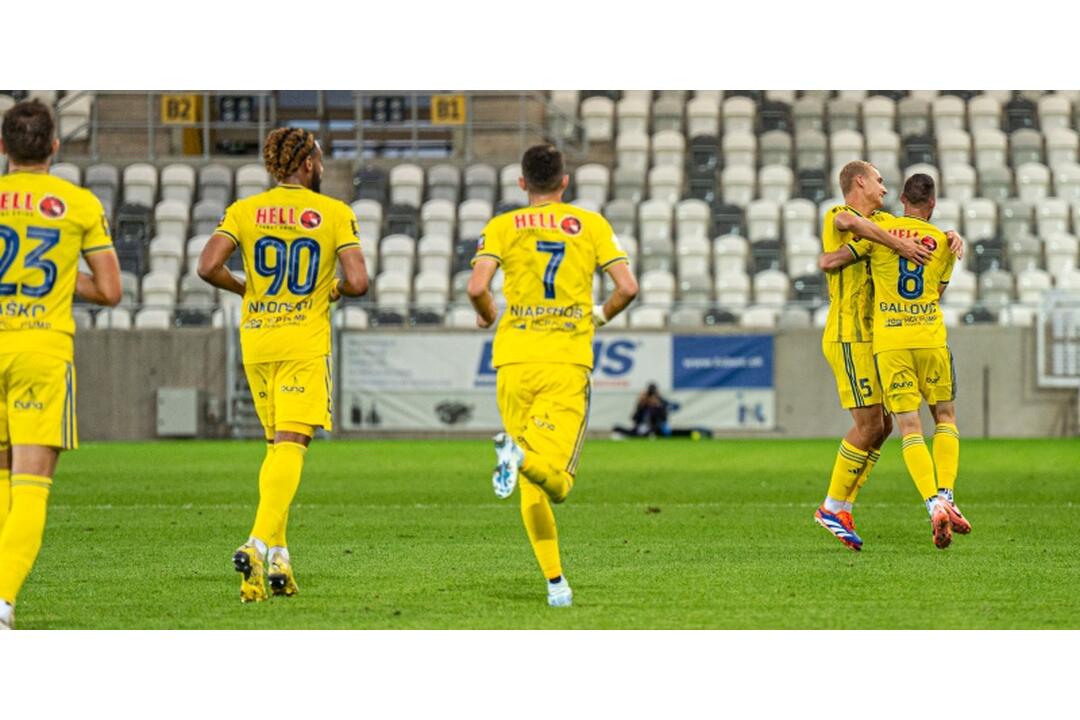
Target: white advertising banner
[(445, 381)]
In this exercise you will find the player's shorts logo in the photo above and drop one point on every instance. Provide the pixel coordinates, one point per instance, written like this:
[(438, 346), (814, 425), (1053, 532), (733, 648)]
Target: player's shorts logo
[(570, 225), (52, 207), (310, 219), (29, 401), (929, 242)]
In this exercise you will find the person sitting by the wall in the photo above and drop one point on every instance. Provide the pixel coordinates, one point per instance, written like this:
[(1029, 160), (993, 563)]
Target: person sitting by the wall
[(650, 419), (650, 415)]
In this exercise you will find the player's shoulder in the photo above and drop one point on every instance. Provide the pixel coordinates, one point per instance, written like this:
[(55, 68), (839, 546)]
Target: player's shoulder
[(882, 217), (839, 208), (79, 199)]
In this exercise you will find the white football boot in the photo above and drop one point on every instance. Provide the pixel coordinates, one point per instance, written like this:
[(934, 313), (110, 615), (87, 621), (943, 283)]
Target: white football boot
[(510, 457), (560, 594)]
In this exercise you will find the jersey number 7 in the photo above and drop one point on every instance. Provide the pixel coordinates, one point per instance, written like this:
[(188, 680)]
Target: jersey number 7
[(558, 252)]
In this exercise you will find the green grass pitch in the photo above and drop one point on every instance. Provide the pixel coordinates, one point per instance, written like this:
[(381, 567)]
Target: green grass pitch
[(666, 534)]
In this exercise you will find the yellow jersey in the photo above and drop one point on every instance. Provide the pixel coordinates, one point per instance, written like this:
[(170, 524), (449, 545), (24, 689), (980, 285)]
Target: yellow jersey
[(851, 296), (549, 255), (907, 312), (289, 237), (45, 222)]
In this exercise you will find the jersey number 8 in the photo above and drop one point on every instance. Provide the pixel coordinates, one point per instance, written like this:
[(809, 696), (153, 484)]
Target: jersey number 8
[(275, 259), (910, 285)]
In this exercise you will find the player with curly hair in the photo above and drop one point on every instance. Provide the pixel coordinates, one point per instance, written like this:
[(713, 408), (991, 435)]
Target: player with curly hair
[(291, 238)]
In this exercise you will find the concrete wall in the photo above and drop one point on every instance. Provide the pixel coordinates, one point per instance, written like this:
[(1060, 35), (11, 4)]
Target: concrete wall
[(997, 394), (119, 373)]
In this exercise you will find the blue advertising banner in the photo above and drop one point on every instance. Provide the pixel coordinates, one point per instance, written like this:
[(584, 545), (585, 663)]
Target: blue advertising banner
[(705, 362)]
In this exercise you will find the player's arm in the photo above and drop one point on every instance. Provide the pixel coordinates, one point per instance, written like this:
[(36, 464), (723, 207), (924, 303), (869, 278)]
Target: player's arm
[(626, 289), (480, 296), (837, 259), (956, 243), (908, 248), (354, 280), (101, 285), (212, 264)]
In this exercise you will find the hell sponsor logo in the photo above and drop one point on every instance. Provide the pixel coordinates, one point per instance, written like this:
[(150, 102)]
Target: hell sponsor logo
[(52, 207), (288, 216)]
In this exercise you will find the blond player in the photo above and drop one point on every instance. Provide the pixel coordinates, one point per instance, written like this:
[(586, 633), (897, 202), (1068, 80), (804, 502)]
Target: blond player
[(849, 232), (549, 253), (291, 238), (846, 341), (45, 224), (912, 354)]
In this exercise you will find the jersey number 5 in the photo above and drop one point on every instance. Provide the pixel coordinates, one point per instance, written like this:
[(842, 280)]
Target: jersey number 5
[(558, 252), (275, 259), (34, 260), (910, 284)]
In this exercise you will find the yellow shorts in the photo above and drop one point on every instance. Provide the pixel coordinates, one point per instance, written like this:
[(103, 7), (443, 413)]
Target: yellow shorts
[(37, 401), (545, 408), (856, 378), (292, 391), (910, 375)]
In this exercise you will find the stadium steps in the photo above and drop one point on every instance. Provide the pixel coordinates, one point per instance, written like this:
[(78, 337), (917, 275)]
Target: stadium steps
[(131, 142)]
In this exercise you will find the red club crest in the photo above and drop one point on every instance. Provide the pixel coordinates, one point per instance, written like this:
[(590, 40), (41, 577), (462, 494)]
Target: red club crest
[(52, 207), (570, 225), (929, 242), (310, 219)]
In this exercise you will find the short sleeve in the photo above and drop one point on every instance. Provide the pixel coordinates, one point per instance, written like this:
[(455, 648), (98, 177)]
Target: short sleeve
[(861, 248), (230, 224), (489, 244), (96, 235), (608, 249), (348, 232), (950, 262)]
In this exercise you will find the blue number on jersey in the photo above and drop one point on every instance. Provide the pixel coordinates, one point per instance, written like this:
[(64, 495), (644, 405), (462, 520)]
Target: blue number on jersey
[(50, 238), (910, 285), (558, 252), (270, 252)]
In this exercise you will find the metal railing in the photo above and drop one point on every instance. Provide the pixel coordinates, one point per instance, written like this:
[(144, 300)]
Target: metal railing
[(1057, 342), (344, 120)]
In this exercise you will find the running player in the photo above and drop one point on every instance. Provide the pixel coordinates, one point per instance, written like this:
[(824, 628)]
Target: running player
[(45, 223), (549, 253), (912, 354), (291, 238)]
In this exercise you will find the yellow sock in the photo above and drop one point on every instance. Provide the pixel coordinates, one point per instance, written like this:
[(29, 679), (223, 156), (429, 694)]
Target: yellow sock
[(920, 465), (946, 455), (849, 463), (540, 525), (871, 460), (21, 539), (278, 538), (553, 481), (277, 487), (5, 496)]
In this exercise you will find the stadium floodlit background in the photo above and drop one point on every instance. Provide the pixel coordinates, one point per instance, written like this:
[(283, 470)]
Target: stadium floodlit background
[(718, 197)]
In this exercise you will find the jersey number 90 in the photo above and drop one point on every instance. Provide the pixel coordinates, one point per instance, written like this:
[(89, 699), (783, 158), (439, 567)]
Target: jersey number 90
[(280, 261)]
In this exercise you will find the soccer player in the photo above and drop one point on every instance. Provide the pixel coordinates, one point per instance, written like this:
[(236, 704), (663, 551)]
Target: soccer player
[(291, 238), (45, 223), (912, 355), (549, 253)]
